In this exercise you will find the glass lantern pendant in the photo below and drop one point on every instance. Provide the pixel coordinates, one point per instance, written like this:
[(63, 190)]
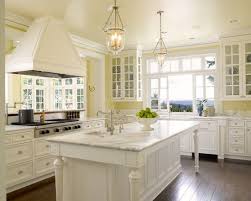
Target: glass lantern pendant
[(114, 29), (160, 51)]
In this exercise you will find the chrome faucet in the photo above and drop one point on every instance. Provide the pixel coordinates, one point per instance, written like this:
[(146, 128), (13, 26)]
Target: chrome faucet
[(110, 128), (7, 107)]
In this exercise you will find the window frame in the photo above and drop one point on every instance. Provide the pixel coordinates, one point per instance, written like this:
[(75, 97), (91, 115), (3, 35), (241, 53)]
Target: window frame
[(203, 71), (49, 92)]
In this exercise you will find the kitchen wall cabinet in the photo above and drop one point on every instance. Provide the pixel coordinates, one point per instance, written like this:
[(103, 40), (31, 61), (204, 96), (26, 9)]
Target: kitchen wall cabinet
[(236, 57), (127, 76)]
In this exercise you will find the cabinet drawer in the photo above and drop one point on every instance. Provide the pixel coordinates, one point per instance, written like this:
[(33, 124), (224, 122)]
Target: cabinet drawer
[(22, 137), (19, 153), (8, 139), (236, 131), (236, 140), (19, 173), (236, 123), (42, 147), (236, 149), (209, 125), (248, 124), (44, 166)]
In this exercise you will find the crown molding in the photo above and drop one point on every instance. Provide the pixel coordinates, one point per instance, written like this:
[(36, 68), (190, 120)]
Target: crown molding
[(88, 44), (17, 21)]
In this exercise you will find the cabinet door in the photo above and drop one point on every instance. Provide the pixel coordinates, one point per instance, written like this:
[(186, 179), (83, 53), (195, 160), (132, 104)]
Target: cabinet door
[(247, 66), (129, 77), (116, 78), (232, 70), (248, 143), (207, 142)]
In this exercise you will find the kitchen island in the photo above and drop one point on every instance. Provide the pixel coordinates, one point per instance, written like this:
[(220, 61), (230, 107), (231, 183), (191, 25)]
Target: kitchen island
[(132, 166)]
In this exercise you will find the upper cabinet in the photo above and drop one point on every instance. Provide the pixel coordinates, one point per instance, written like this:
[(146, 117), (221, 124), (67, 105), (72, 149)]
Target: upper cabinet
[(236, 52), (127, 76)]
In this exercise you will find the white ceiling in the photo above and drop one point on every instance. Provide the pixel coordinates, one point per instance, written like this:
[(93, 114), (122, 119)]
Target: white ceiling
[(203, 20)]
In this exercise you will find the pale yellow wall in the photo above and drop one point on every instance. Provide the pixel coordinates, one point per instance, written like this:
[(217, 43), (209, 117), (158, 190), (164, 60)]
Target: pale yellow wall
[(242, 106)]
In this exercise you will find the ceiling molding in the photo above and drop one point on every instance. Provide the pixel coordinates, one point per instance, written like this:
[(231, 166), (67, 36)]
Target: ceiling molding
[(185, 47), (88, 44), (17, 21)]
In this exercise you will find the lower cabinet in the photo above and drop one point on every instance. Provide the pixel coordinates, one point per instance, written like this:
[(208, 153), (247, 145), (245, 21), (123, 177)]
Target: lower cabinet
[(248, 144), (208, 139), (29, 159), (19, 173), (44, 166)]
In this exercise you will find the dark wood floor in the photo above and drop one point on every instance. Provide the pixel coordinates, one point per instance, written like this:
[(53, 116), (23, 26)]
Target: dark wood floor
[(216, 182)]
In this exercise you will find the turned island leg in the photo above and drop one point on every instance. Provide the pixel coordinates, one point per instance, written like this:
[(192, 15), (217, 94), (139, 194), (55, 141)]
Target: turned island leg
[(59, 165), (134, 179), (196, 151)]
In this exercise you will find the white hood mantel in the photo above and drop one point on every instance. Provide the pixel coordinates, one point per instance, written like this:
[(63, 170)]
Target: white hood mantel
[(46, 50)]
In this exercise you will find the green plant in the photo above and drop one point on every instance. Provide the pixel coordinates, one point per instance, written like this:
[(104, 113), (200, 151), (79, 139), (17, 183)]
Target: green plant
[(147, 113)]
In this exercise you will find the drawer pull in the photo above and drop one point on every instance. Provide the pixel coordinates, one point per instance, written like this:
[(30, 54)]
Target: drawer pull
[(236, 149), (22, 136), (20, 172), (47, 146), (20, 152), (48, 163), (248, 130)]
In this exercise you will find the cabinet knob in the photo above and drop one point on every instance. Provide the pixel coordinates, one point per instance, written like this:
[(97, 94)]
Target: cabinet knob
[(20, 172), (47, 146), (22, 136), (20, 152), (47, 164)]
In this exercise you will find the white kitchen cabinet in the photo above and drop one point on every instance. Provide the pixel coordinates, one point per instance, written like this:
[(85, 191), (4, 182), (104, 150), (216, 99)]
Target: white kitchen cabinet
[(127, 76), (248, 137), (236, 57), (208, 139)]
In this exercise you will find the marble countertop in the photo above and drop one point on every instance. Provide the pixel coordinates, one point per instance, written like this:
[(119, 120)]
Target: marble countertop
[(10, 128), (192, 117), (131, 139)]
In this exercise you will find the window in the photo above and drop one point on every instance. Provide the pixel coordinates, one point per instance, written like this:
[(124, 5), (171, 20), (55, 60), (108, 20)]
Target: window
[(39, 100), (69, 98), (180, 82), (80, 98), (181, 93), (205, 88), (52, 94)]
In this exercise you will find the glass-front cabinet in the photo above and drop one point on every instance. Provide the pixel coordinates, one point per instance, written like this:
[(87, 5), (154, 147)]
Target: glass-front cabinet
[(236, 53), (232, 70), (247, 64), (127, 76)]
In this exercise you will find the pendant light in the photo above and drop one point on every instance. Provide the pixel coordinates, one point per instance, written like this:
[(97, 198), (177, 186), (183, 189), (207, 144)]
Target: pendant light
[(160, 51), (114, 30)]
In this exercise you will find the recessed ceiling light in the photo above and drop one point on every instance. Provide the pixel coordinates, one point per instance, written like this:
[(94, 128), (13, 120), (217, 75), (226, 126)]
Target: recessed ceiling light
[(18, 41), (233, 21)]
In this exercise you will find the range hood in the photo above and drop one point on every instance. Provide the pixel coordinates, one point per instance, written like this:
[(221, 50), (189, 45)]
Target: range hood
[(46, 50)]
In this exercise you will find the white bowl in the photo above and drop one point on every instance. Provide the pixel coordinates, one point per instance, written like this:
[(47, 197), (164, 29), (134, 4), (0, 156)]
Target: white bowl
[(146, 123)]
